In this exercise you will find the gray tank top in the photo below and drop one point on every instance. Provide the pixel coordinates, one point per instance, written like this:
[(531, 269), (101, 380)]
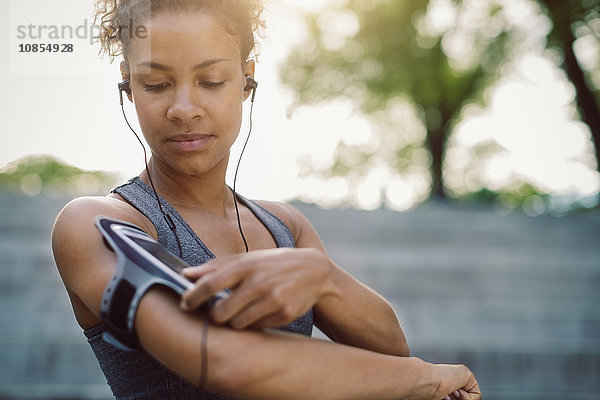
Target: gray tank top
[(136, 375)]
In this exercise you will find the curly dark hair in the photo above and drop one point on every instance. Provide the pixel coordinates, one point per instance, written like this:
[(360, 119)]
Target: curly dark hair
[(117, 18)]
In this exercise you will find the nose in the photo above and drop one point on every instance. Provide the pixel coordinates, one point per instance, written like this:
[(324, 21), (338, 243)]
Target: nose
[(185, 107)]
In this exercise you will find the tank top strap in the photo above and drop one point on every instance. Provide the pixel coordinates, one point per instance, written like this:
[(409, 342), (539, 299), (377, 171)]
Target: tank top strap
[(279, 230)]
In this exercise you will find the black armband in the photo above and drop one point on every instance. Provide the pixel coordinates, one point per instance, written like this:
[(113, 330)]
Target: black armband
[(142, 263)]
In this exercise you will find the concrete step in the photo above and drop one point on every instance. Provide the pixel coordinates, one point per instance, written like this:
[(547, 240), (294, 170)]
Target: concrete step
[(515, 298)]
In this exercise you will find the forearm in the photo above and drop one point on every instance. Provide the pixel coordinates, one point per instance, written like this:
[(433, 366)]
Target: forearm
[(359, 317), (270, 365), (300, 368)]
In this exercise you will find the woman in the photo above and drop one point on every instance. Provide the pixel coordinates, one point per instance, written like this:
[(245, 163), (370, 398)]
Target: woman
[(186, 68)]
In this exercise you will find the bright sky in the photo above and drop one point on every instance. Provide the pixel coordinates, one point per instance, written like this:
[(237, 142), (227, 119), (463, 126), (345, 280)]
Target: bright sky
[(66, 105)]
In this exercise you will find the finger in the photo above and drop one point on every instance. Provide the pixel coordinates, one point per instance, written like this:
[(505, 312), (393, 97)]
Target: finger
[(231, 307), (267, 313), (223, 272), (253, 316), (282, 316), (472, 388), (464, 395), (194, 297), (207, 286), (258, 306), (198, 271), (194, 273)]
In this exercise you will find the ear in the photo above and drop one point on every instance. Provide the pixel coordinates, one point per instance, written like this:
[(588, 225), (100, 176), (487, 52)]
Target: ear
[(249, 68), (124, 67)]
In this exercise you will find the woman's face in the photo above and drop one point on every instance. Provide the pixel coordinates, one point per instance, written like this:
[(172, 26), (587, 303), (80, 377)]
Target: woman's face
[(188, 80)]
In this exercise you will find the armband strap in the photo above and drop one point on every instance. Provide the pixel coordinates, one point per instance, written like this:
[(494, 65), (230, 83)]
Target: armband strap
[(140, 265)]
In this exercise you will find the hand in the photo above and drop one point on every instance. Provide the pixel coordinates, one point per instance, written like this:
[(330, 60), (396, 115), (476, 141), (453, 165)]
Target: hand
[(270, 287), (460, 378)]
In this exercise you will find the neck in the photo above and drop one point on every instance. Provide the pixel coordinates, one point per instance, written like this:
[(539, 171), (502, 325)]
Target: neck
[(207, 192)]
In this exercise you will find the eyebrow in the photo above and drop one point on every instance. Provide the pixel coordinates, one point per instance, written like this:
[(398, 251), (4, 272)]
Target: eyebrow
[(202, 65)]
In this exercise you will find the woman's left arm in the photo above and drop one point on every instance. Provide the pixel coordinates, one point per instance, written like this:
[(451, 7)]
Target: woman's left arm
[(355, 314), (274, 287)]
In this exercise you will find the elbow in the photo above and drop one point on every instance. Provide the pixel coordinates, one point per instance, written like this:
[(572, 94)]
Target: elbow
[(404, 350), (392, 344), (399, 348)]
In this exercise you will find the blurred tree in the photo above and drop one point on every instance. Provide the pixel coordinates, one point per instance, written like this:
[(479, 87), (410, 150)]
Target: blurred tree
[(578, 20), (40, 173), (437, 54), (394, 53)]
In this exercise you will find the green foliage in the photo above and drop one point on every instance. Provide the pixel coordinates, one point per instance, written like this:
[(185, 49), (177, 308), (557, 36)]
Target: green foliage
[(526, 198), (379, 53), (394, 55), (575, 20), (389, 56), (39, 173)]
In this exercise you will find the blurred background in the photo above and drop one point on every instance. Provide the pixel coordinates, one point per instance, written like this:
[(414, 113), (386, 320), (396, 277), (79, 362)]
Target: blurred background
[(455, 141)]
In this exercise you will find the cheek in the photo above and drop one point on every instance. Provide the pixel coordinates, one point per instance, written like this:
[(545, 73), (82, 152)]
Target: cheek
[(149, 115), (232, 113)]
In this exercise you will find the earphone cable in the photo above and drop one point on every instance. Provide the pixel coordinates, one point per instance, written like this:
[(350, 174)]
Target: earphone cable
[(166, 216), (235, 202)]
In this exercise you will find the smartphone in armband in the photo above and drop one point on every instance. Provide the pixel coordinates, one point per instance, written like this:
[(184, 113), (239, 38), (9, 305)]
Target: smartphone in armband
[(142, 263)]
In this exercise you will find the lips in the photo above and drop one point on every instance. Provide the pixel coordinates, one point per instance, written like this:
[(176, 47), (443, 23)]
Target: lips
[(189, 141)]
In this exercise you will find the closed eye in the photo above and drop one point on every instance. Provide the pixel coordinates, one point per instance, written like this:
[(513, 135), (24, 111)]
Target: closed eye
[(155, 87), (212, 84), (206, 84)]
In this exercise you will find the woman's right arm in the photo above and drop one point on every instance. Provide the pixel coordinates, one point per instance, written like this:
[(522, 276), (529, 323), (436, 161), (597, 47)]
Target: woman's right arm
[(242, 364)]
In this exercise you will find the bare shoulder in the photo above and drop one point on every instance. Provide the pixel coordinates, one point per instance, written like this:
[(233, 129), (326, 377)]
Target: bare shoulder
[(74, 230), (83, 261), (75, 222), (284, 211), (78, 213), (304, 233)]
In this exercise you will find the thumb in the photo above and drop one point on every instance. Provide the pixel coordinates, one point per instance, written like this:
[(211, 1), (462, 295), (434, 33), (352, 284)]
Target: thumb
[(195, 273)]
